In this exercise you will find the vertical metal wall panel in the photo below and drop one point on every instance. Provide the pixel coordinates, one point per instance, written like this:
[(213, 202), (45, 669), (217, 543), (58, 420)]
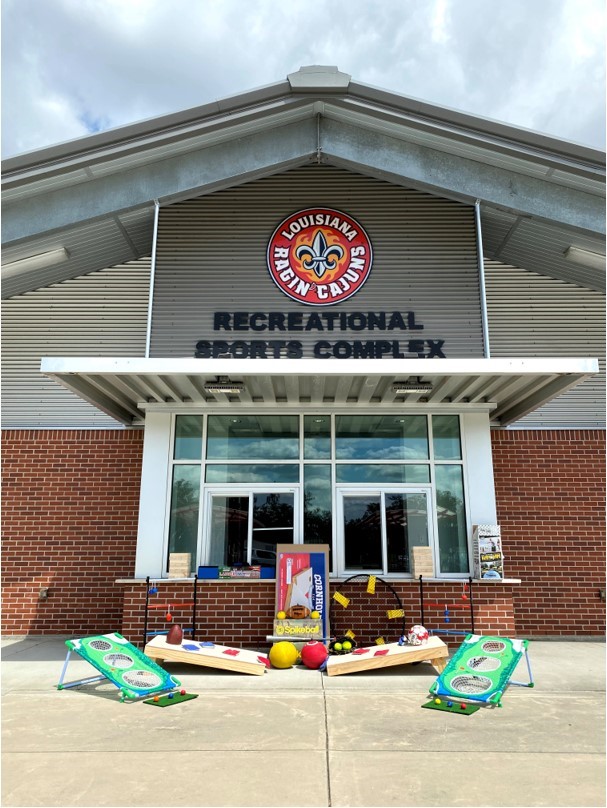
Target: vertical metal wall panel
[(101, 314), (212, 257), (532, 315)]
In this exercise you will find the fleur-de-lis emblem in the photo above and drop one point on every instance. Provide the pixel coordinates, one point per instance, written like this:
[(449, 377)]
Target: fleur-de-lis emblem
[(321, 256)]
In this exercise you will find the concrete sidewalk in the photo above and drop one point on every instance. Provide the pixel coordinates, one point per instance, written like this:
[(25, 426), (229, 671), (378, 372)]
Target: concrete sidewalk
[(300, 738)]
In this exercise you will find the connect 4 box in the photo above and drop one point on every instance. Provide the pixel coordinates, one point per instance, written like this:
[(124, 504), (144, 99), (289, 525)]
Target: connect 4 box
[(487, 549)]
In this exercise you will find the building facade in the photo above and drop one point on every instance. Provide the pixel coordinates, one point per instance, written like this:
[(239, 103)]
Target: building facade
[(315, 313)]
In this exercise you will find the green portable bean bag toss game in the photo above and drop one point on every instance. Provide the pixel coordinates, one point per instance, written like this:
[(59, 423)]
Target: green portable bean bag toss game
[(480, 671), (118, 661)]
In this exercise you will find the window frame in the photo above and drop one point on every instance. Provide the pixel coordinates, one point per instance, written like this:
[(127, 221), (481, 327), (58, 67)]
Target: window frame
[(243, 490), (352, 489), (152, 546)]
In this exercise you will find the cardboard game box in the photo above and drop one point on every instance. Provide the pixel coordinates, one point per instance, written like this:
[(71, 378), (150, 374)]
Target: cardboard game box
[(299, 632), (302, 587), (487, 549)]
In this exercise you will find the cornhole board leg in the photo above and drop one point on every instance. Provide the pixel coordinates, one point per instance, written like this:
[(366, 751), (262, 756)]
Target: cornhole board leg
[(530, 683), (64, 686), (190, 652), (384, 656)]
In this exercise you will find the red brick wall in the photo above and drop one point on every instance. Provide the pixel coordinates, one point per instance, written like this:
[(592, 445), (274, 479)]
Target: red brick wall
[(70, 508), (550, 491), (242, 612), (227, 613)]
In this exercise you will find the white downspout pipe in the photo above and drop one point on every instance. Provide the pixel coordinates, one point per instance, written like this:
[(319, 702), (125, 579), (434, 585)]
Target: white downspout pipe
[(481, 275), (148, 336)]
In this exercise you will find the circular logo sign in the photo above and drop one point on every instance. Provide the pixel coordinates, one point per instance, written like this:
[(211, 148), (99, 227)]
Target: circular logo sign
[(319, 256)]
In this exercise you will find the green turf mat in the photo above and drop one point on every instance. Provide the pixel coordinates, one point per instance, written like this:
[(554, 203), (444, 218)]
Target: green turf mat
[(168, 700), (452, 706)]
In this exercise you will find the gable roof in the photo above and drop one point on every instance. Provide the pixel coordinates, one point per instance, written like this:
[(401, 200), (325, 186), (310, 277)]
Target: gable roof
[(90, 203)]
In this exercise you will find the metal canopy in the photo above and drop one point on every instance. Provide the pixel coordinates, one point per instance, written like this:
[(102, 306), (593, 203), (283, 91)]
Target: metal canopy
[(508, 389), (95, 196)]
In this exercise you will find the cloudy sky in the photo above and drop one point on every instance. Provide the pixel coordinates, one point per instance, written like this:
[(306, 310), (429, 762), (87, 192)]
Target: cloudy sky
[(74, 67)]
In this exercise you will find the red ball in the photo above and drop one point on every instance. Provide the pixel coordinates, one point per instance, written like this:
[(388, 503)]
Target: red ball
[(313, 654), (182, 692)]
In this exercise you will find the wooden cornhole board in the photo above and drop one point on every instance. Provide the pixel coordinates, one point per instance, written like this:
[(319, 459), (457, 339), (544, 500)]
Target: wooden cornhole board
[(384, 656), (190, 652)]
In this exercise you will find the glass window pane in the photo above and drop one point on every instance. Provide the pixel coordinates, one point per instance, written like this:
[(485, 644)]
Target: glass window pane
[(188, 437), (273, 516), (317, 505), (260, 473), (362, 532), (451, 517), (396, 533), (446, 437), (406, 527), (253, 437), (183, 525), (378, 473), (229, 530), (317, 437), (387, 437)]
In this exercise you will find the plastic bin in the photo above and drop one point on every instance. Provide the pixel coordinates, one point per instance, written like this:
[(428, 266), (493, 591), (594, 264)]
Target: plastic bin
[(208, 572)]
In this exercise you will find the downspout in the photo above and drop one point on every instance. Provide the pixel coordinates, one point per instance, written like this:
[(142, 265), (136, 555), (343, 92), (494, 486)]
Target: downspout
[(481, 276), (148, 336), (318, 149)]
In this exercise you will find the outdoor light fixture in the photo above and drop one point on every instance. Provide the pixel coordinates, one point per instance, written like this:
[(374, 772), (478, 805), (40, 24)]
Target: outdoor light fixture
[(412, 386), (223, 385), (586, 257), (38, 261)]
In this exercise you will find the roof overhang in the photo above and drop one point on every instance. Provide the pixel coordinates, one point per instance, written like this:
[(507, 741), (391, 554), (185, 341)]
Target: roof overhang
[(95, 197), (505, 388)]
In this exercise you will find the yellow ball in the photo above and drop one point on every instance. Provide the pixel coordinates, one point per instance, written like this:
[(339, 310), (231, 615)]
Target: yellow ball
[(281, 616), (315, 615), (283, 654), (346, 645), (437, 701)]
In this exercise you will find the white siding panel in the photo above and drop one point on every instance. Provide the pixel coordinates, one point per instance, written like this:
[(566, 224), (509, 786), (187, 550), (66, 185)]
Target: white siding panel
[(212, 250), (532, 315), (101, 314)]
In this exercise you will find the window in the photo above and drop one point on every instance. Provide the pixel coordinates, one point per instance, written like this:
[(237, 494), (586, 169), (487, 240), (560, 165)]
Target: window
[(253, 437), (380, 527), (370, 486), (368, 437), (247, 528)]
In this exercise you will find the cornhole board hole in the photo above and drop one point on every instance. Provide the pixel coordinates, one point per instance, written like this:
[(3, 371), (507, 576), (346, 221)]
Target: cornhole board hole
[(208, 655), (481, 669), (384, 656), (119, 662)]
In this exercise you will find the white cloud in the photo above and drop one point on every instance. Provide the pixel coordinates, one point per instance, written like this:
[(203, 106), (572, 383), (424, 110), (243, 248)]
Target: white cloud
[(439, 28), (75, 66)]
